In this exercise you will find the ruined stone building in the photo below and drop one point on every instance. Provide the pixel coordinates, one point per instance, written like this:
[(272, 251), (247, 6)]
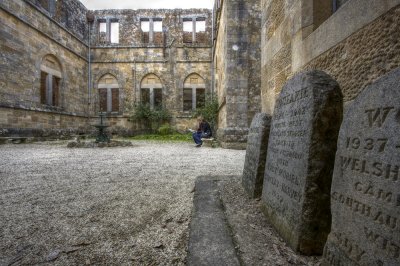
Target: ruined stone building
[(259, 45), (62, 64), (354, 41)]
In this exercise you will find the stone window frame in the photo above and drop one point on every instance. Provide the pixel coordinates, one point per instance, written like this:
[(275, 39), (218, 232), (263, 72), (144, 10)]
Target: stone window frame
[(151, 31), (194, 20), (108, 32), (194, 91), (312, 42), (51, 81), (109, 87), (316, 12), (152, 91)]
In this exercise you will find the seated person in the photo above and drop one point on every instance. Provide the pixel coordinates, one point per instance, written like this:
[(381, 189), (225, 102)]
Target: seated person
[(203, 131)]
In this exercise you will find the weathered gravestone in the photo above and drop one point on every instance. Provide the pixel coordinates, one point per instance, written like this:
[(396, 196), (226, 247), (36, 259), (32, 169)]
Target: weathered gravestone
[(256, 153), (300, 157), (365, 194)]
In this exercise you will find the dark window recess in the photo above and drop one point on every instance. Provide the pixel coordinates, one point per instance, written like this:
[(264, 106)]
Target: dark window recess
[(187, 37), (158, 98), (200, 98), (103, 100), (145, 37), (158, 38), (56, 91), (115, 100), (187, 99), (49, 89), (145, 96), (43, 78), (201, 37)]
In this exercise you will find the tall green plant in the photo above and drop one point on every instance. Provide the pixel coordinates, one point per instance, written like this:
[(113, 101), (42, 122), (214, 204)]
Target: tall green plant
[(209, 111), (152, 117)]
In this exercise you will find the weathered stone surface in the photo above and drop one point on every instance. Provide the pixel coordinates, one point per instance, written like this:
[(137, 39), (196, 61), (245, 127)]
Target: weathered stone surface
[(210, 239), (300, 157), (256, 153), (356, 45), (365, 191), (237, 68)]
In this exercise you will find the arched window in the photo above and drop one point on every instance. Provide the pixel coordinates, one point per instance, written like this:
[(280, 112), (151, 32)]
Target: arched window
[(194, 91), (108, 94), (50, 81), (151, 91)]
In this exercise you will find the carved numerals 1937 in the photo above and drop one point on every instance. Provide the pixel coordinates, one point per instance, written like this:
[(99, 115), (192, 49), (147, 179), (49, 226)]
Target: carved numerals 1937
[(370, 144)]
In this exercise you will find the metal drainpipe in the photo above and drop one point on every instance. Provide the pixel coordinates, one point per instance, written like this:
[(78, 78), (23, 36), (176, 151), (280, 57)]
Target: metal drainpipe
[(89, 76), (212, 54)]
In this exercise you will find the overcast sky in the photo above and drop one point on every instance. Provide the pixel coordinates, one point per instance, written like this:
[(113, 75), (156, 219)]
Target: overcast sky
[(140, 4)]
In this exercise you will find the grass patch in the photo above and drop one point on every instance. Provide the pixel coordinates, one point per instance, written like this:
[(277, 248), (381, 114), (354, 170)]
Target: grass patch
[(169, 137)]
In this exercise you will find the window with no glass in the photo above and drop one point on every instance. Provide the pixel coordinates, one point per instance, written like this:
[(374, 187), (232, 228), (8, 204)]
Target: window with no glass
[(152, 30), (194, 30), (151, 91), (193, 92), (50, 81), (108, 94), (108, 31)]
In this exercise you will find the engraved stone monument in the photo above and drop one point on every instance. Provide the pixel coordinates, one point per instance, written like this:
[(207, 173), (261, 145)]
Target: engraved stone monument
[(365, 194), (300, 160), (256, 153)]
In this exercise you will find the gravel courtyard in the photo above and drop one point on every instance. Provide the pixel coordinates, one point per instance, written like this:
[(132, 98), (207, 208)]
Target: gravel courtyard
[(110, 206)]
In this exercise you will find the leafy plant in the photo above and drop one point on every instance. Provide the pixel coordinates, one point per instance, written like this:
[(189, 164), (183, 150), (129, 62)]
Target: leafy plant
[(209, 111), (152, 117), (165, 129)]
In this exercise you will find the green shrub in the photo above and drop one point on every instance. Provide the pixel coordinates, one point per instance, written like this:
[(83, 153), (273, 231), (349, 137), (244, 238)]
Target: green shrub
[(165, 129), (153, 118), (209, 111)]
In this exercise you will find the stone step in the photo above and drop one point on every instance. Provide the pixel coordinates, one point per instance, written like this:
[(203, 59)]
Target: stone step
[(210, 238)]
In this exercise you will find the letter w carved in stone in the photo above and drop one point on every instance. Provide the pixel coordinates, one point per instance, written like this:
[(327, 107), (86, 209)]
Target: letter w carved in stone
[(378, 116)]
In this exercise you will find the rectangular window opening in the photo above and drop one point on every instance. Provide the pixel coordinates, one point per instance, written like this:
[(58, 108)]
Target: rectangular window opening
[(43, 91), (145, 96), (200, 25), (114, 100), (200, 98), (102, 27), (114, 34), (158, 98), (145, 25), (187, 25), (187, 99), (103, 100), (157, 25)]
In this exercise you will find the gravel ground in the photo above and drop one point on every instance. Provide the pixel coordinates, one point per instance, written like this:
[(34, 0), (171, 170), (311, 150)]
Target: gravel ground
[(255, 239), (110, 206)]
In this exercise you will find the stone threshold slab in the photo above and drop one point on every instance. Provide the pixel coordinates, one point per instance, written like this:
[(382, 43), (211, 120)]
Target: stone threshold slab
[(210, 238)]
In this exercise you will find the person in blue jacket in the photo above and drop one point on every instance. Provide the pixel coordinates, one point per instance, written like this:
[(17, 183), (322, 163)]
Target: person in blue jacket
[(203, 131)]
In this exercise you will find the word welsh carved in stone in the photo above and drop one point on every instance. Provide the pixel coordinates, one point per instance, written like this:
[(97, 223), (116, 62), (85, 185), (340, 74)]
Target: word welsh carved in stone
[(365, 193)]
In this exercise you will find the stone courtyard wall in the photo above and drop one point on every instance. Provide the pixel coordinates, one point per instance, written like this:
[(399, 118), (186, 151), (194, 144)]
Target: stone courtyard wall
[(356, 45), (172, 61), (237, 68), (28, 34), (33, 29)]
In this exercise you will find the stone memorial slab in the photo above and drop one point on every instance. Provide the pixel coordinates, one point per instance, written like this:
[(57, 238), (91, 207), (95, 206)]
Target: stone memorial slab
[(365, 193), (256, 153), (300, 160)]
